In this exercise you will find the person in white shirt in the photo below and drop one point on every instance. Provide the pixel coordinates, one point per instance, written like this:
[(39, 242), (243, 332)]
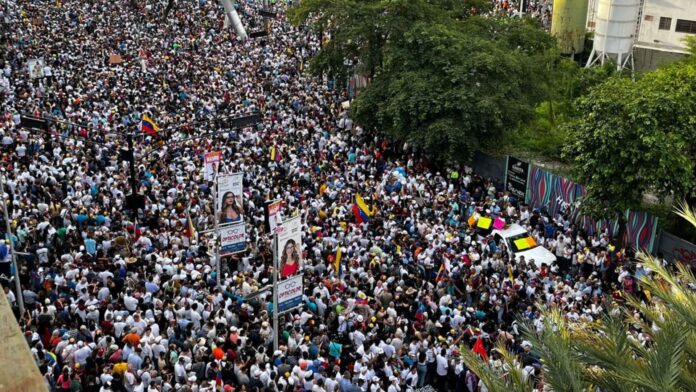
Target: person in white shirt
[(394, 384), (442, 369)]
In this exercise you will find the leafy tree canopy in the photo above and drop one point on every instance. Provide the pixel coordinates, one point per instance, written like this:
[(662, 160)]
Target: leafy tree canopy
[(631, 138), (442, 78)]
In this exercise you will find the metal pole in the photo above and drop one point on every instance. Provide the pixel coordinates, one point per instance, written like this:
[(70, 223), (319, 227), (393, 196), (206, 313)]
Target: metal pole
[(20, 295), (218, 269), (133, 184), (233, 16), (275, 292)]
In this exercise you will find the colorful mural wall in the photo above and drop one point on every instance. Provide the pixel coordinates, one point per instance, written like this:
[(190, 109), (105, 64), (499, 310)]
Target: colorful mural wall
[(556, 193)]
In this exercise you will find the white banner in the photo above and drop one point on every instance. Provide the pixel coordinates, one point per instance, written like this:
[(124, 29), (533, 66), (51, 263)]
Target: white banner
[(211, 164), (290, 293), (232, 239), (273, 210), (229, 198), (290, 247)]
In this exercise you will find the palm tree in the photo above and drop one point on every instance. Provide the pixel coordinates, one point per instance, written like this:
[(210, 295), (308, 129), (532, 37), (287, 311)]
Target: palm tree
[(604, 356)]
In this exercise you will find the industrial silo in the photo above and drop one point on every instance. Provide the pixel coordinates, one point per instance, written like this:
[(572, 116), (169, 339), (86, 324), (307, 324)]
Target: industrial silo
[(568, 25), (615, 32)]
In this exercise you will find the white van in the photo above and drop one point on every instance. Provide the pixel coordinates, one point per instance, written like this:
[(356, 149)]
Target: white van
[(520, 243)]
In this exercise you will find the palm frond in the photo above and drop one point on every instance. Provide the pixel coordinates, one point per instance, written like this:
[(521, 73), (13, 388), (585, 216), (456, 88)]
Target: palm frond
[(687, 212), (563, 370), (491, 378)]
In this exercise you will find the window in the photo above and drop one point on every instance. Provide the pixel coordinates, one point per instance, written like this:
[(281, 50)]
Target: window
[(648, 18), (665, 23), (686, 26)]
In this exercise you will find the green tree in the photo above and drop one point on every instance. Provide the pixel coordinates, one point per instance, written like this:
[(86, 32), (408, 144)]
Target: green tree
[(442, 78), (632, 138)]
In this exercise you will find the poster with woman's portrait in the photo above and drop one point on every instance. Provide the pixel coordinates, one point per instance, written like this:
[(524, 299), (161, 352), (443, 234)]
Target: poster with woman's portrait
[(230, 205), (290, 247)]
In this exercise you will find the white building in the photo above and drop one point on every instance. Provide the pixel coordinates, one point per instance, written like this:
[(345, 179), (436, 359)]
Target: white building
[(663, 26)]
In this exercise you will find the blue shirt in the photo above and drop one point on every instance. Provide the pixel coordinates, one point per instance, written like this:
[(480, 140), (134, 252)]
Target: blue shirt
[(91, 246), (151, 287)]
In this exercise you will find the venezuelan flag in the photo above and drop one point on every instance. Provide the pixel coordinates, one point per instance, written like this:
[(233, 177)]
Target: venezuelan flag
[(149, 126), (439, 275), (275, 154), (190, 229), (360, 210)]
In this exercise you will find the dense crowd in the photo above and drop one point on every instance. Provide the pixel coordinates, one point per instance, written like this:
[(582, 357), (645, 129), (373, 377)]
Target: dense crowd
[(117, 301), (540, 9)]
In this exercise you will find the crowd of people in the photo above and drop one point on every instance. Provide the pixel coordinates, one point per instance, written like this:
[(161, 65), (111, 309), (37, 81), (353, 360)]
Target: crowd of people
[(539, 9), (122, 300)]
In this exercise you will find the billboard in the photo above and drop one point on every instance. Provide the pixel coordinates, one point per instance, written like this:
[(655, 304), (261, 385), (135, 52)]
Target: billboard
[(232, 239), (273, 215), (290, 293), (289, 247), (211, 164), (229, 201), (516, 177)]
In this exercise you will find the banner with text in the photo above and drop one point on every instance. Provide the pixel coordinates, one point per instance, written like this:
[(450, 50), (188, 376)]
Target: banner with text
[(290, 293), (211, 164), (232, 239), (516, 177), (273, 215)]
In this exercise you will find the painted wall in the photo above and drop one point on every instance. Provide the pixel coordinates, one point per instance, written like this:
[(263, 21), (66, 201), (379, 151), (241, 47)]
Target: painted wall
[(556, 192), (676, 249)]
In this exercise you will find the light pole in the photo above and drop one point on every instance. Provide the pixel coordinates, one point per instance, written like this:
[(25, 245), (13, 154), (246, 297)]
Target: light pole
[(8, 227)]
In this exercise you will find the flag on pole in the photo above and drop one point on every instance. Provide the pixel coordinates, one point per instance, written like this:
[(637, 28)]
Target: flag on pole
[(337, 262), (218, 381), (275, 154), (480, 350), (190, 229), (149, 126), (360, 210), (438, 277)]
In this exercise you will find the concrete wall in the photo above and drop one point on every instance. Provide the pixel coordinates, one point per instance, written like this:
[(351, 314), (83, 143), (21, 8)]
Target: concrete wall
[(676, 249), (490, 167), (650, 59)]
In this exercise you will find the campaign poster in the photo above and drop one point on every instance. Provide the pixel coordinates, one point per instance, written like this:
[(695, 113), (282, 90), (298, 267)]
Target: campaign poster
[(211, 164), (290, 293), (289, 247), (516, 178), (273, 215), (35, 68), (232, 239), (230, 205)]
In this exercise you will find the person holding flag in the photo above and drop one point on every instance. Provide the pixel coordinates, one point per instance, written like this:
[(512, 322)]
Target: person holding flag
[(361, 211), (148, 126)]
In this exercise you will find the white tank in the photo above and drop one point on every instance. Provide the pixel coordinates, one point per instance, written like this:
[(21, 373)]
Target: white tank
[(615, 30)]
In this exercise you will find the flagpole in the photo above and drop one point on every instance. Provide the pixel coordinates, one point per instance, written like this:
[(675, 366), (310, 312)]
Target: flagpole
[(13, 256), (216, 211), (275, 291)]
